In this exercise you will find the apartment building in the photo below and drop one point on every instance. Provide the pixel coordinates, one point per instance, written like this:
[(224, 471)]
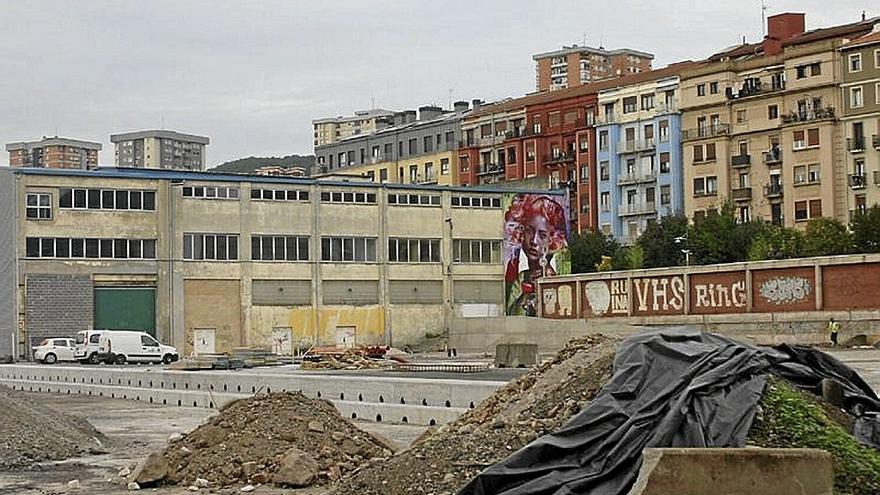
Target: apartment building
[(860, 119), (330, 130), (54, 152), (761, 125), (160, 149), (575, 65), (638, 152), (211, 261), (417, 148)]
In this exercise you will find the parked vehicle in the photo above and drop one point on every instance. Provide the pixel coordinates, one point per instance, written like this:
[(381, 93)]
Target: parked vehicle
[(53, 350), (87, 346), (124, 346)]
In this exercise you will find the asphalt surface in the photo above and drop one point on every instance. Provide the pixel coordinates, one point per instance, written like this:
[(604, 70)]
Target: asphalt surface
[(865, 361)]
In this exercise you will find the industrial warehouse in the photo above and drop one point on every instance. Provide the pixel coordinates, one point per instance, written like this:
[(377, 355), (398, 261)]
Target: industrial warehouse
[(208, 262)]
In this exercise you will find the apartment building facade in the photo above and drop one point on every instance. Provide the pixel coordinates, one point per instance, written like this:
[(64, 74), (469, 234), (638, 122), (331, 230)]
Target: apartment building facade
[(640, 173), (761, 126), (576, 65), (416, 149), (860, 119), (54, 152), (222, 260), (160, 149), (330, 130)]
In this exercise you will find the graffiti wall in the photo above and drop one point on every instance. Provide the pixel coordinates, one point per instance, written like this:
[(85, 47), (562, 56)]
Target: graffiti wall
[(842, 284), (536, 232)]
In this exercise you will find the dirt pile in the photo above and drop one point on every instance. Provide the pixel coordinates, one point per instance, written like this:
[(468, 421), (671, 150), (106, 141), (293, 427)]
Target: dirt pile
[(281, 438), (33, 432), (350, 360), (539, 402)]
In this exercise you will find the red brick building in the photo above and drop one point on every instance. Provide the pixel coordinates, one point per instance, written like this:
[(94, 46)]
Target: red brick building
[(54, 152)]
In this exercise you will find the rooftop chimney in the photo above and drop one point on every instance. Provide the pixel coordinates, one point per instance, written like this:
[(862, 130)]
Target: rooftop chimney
[(476, 103), (410, 116), (399, 118), (780, 28), (460, 106), (429, 112)]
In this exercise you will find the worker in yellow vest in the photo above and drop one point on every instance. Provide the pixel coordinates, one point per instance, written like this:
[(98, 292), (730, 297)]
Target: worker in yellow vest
[(833, 329)]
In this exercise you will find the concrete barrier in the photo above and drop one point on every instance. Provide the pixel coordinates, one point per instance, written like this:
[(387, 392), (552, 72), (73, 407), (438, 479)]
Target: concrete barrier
[(735, 472), (418, 401), (516, 355)]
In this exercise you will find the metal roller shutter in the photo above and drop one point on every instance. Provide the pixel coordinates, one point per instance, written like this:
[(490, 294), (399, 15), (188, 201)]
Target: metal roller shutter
[(281, 292), (125, 308), (416, 291), (478, 291), (351, 292)]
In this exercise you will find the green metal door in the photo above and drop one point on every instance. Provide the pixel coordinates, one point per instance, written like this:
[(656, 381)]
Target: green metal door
[(118, 308)]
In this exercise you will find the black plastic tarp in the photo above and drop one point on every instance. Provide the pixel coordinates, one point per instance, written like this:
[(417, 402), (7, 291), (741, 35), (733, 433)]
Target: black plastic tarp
[(670, 388)]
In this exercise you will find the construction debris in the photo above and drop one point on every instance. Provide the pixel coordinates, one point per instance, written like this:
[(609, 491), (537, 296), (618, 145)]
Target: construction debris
[(281, 438), (537, 403), (34, 432), (241, 357), (343, 359)]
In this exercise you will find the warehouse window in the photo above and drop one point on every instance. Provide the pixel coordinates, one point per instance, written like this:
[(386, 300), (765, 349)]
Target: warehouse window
[(413, 199), (220, 247), (210, 192), (461, 201), (69, 248), (38, 206), (279, 195), (348, 249), (279, 248), (107, 199), (476, 251), (363, 198), (414, 250)]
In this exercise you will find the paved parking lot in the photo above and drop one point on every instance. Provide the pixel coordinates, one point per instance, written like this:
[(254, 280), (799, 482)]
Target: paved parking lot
[(865, 361)]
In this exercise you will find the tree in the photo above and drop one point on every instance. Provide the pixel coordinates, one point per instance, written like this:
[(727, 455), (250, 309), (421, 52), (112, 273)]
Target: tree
[(587, 250), (718, 238), (658, 241), (865, 229), (776, 243), (633, 257), (826, 237)]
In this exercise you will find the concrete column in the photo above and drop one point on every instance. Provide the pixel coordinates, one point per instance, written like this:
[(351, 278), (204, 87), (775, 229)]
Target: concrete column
[(315, 248), (244, 262), (818, 283), (447, 258), (382, 258), (748, 290)]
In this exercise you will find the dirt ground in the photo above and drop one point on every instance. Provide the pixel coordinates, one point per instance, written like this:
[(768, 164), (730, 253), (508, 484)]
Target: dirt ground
[(136, 429)]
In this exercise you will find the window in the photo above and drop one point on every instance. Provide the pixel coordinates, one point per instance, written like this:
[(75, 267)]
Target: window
[(348, 249), (585, 174), (107, 199), (348, 197), (801, 71), (713, 87), (699, 186), (603, 170), (38, 206), (815, 69), (798, 140), (428, 144), (856, 98), (741, 116), (279, 248), (553, 119), (629, 104), (413, 250), (220, 247), (877, 58), (664, 162), (814, 173), (413, 199), (665, 195), (710, 151), (800, 174), (603, 140), (772, 112), (64, 248), (698, 152), (389, 149), (647, 101), (476, 251), (855, 62), (383, 175), (279, 195), (605, 201), (444, 166), (211, 192), (744, 214), (701, 90), (476, 201), (813, 137), (663, 128), (805, 210), (413, 146), (711, 185)]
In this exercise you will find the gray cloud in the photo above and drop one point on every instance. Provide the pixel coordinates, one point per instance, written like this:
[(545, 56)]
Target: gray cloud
[(252, 75)]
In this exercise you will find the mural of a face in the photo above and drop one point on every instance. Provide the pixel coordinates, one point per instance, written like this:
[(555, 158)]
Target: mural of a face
[(536, 237)]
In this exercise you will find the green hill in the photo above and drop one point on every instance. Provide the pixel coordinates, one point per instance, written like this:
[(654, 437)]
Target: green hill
[(251, 163)]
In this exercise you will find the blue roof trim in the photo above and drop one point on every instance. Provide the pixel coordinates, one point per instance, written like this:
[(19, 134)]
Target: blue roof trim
[(154, 174)]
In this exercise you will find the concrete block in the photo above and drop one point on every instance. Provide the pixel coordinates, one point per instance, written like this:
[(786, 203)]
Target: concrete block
[(516, 355), (735, 472)]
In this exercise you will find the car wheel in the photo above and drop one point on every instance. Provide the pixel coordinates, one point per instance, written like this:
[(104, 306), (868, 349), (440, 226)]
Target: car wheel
[(50, 358), (120, 359), (93, 358), (167, 358)]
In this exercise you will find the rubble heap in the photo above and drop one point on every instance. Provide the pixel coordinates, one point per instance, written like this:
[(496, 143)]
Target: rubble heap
[(349, 360), (539, 402), (34, 432), (281, 438)]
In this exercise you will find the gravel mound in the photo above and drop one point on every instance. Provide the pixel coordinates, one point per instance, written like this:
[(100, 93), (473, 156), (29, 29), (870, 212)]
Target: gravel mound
[(281, 438), (32, 432), (537, 403)]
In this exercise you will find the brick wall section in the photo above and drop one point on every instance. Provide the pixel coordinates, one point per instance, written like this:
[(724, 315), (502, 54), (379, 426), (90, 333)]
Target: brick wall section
[(58, 305)]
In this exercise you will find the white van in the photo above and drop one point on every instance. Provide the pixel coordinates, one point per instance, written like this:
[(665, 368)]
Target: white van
[(121, 346), (87, 346)]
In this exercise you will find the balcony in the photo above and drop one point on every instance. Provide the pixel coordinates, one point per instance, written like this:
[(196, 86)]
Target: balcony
[(558, 158), (858, 181), (607, 118), (705, 132), (741, 160), (665, 108), (490, 169), (818, 114), (741, 194), (855, 144), (636, 146), (772, 156), (516, 132), (647, 208), (753, 87), (773, 191), (636, 177)]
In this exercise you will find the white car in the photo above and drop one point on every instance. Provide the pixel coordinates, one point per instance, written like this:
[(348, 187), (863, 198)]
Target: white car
[(53, 350), (122, 346)]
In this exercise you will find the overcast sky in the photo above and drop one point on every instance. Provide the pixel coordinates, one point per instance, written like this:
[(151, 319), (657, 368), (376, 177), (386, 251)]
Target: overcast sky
[(252, 75)]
